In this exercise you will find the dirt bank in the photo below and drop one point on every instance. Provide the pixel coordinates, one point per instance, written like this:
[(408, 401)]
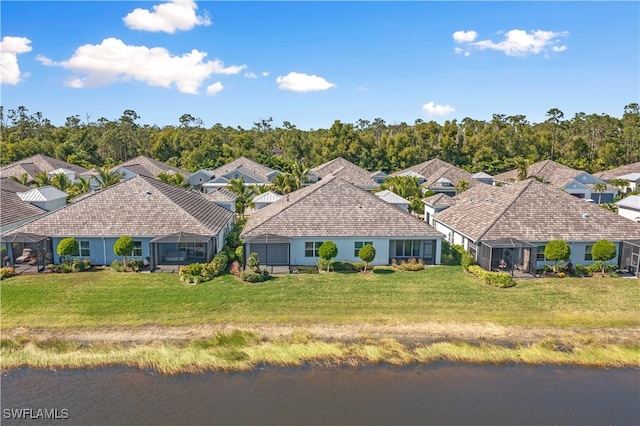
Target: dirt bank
[(426, 332)]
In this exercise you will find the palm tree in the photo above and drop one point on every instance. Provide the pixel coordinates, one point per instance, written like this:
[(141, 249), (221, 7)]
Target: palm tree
[(42, 179), (179, 180), (404, 186), (462, 186), (622, 184), (81, 186), (23, 179), (61, 181), (245, 194), (299, 175), (282, 183), (165, 177), (107, 177), (522, 165), (600, 187)]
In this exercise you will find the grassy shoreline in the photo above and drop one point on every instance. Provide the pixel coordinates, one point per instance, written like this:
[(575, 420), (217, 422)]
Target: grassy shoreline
[(58, 321)]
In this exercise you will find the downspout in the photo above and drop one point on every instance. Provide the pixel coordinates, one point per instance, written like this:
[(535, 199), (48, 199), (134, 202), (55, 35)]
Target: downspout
[(104, 250)]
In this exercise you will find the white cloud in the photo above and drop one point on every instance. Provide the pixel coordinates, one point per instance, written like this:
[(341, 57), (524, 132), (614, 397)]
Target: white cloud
[(300, 82), (459, 51), (113, 61), (265, 73), (362, 89), (517, 42), (10, 47), (464, 36), (167, 17), (250, 75), (432, 109), (214, 88)]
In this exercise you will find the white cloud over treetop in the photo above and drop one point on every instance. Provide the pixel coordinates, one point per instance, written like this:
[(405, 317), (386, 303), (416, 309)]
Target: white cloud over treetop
[(176, 15), (214, 88), (10, 47), (432, 109), (113, 61), (300, 82), (514, 43)]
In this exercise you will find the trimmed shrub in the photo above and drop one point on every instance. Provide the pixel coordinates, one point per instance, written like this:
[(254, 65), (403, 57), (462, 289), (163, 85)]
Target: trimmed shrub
[(324, 265), (581, 271), (457, 251), (466, 260), (238, 253), (118, 266), (123, 247), (253, 262), (254, 277), (80, 265), (408, 265), (136, 264), (68, 247), (496, 279), (603, 250), (367, 253), (601, 266), (557, 250), (327, 251)]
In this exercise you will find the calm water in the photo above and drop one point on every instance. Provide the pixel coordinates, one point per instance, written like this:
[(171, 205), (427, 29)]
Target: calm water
[(434, 394)]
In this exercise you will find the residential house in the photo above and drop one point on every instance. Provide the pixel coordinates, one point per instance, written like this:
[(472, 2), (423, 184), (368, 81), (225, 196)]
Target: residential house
[(438, 176), (222, 197), (515, 222), (393, 199), (629, 207), (575, 182), (264, 199), (348, 171), (252, 173), (199, 177), (145, 166), (483, 177), (168, 224), (39, 163), (434, 204), (629, 172), (291, 230)]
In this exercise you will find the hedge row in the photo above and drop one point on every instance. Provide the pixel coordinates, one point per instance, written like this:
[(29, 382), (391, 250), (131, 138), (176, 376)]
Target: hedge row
[(201, 272), (496, 279)]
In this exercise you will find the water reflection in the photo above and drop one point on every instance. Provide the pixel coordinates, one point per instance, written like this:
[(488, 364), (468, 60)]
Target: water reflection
[(433, 394)]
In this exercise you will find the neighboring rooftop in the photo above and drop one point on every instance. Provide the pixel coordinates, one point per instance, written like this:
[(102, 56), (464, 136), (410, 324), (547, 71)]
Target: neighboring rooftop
[(267, 197), (262, 173), (435, 170), (43, 193), (145, 166), (334, 207), (346, 170), (15, 210), (37, 164), (548, 171), (439, 200), (140, 206), (618, 172), (7, 184), (531, 211), (631, 202), (391, 197), (220, 194)]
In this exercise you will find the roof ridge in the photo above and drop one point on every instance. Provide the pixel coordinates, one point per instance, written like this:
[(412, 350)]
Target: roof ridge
[(312, 188), (516, 198)]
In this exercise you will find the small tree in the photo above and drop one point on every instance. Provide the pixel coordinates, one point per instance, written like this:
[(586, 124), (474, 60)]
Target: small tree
[(367, 253), (603, 250), (68, 247), (557, 250), (253, 262), (327, 251), (123, 247)]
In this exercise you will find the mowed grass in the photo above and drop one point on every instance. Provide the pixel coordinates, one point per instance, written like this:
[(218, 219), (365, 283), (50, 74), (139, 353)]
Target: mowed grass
[(442, 293)]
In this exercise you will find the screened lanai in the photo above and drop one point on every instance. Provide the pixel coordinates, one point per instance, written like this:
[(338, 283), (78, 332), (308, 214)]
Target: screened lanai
[(181, 248), (630, 257), (507, 255), (27, 249)]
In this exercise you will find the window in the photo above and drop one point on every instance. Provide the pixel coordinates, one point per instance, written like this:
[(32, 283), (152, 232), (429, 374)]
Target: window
[(408, 248), (137, 249), (587, 252), (84, 249), (358, 245), (193, 249), (540, 254), (311, 248)]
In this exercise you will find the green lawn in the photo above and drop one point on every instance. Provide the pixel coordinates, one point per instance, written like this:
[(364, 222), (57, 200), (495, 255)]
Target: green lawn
[(442, 293)]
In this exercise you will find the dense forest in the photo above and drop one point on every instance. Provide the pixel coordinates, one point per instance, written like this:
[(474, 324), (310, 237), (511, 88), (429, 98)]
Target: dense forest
[(588, 142)]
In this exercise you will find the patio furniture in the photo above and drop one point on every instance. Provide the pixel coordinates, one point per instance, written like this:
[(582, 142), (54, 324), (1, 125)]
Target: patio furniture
[(27, 254)]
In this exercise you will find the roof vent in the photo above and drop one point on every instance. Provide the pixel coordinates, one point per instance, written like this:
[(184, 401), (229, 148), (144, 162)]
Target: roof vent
[(287, 197), (148, 192), (585, 215)]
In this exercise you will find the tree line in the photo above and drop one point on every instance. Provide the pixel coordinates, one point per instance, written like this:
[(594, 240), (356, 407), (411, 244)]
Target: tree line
[(591, 142)]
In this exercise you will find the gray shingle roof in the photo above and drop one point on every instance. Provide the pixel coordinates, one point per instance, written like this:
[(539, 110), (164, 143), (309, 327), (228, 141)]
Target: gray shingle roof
[(15, 210), (247, 166), (146, 166), (630, 202), (36, 164), (435, 169), (620, 171), (346, 170), (10, 185), (439, 200), (531, 211), (334, 207), (221, 194), (548, 170), (140, 206)]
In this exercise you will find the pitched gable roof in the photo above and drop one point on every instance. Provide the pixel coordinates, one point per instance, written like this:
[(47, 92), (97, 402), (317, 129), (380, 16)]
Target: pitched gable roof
[(391, 197), (439, 200), (37, 164), (619, 171), (531, 211), (266, 197), (11, 185), (631, 202), (43, 193), (250, 167), (436, 169), (548, 170), (140, 206), (220, 194), (334, 207), (149, 167), (346, 170)]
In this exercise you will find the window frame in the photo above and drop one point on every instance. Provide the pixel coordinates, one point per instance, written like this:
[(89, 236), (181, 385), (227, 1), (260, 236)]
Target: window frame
[(588, 255), (540, 253), (313, 250), (136, 245), (356, 249), (82, 250)]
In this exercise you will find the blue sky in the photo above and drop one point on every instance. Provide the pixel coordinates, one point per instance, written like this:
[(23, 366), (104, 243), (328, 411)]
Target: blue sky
[(311, 63)]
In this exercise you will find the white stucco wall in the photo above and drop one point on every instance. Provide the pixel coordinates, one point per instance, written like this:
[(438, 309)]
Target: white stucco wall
[(578, 250)]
